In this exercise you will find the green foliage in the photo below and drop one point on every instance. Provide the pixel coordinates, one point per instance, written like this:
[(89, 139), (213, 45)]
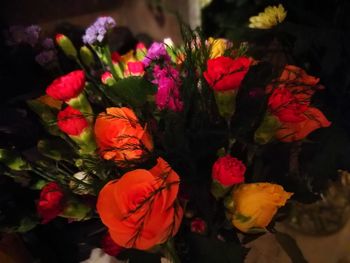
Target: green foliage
[(134, 91)]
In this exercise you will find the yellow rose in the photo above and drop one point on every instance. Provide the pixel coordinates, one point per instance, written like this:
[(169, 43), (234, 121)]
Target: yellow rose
[(218, 46), (254, 205)]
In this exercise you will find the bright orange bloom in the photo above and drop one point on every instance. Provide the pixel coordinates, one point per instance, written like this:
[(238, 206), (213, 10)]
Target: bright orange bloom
[(120, 137), (140, 209), (295, 131)]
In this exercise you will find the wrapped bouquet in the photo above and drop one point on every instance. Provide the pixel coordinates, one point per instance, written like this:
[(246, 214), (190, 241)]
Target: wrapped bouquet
[(167, 146)]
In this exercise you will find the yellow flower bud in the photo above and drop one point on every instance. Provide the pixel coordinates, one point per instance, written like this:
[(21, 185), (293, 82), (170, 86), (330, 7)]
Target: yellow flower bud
[(256, 204), (218, 46)]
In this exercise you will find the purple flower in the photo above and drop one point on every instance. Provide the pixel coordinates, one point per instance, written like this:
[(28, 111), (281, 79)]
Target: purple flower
[(48, 43), (20, 34), (96, 32), (46, 57), (32, 35), (155, 52), (168, 81)]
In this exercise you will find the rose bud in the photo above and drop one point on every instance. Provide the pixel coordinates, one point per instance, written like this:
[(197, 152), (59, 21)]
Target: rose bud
[(51, 202), (198, 226), (255, 205), (108, 79), (72, 122), (110, 247), (227, 171), (87, 56), (66, 45), (141, 51), (218, 46)]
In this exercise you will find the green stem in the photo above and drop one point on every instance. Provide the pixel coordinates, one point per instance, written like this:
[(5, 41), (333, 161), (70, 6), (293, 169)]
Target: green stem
[(108, 57), (170, 251)]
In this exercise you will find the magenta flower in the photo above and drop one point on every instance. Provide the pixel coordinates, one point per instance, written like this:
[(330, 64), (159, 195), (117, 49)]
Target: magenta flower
[(168, 81), (156, 51)]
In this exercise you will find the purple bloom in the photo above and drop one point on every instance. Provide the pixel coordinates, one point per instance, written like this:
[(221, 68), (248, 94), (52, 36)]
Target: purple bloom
[(155, 52), (20, 34), (46, 57), (97, 31), (168, 81), (32, 35), (48, 43)]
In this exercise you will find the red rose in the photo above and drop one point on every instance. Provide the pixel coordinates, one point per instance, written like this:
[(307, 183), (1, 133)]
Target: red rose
[(68, 86), (285, 106), (228, 171), (71, 121), (224, 73), (198, 226), (51, 202), (110, 247)]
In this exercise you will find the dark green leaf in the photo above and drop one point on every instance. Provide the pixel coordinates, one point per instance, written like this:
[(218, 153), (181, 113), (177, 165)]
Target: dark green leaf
[(132, 90)]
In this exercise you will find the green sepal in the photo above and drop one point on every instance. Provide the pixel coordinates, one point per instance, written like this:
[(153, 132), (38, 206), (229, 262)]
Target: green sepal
[(13, 160), (133, 90), (87, 57), (267, 129)]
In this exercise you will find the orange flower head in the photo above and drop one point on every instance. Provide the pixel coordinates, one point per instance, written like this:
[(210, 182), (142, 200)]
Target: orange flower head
[(140, 209), (120, 137)]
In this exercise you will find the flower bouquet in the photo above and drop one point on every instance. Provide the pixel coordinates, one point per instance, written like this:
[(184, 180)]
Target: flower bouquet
[(169, 147)]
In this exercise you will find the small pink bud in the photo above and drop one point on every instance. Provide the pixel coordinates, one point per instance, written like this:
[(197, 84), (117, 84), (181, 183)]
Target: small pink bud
[(66, 45), (107, 78), (140, 45), (59, 37)]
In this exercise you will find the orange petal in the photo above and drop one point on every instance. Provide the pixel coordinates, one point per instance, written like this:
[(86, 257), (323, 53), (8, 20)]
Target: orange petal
[(291, 132)]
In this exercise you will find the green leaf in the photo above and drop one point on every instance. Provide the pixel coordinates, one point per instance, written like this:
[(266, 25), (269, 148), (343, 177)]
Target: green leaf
[(27, 223), (55, 149), (290, 246), (132, 90), (47, 116), (13, 160)]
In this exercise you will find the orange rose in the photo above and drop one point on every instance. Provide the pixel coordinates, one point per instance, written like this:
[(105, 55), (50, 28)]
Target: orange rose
[(290, 101), (120, 137), (140, 209), (295, 131), (302, 85), (298, 82)]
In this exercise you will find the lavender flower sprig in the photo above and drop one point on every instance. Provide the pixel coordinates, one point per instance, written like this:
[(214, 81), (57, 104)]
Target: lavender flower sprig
[(96, 33)]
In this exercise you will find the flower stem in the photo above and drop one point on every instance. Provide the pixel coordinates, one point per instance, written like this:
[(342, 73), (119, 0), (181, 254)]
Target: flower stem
[(108, 57), (170, 251)]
